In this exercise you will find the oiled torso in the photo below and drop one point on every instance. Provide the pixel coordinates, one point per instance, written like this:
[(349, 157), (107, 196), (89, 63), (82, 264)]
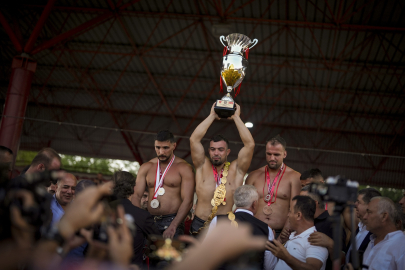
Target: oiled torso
[(170, 202), (205, 188), (283, 195)]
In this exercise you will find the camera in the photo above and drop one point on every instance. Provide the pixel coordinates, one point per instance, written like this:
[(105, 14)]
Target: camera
[(336, 189)]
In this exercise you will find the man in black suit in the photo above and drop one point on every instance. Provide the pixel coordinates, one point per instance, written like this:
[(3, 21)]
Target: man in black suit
[(145, 225), (246, 202), (362, 234)]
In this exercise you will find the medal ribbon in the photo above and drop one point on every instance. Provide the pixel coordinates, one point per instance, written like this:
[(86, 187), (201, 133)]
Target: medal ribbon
[(160, 176), (271, 192), (217, 177)]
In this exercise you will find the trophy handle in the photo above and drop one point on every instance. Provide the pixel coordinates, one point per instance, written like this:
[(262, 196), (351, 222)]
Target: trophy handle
[(254, 42), (222, 38)]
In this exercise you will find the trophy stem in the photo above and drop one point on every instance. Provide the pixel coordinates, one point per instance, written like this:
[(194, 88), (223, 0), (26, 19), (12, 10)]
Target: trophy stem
[(229, 89)]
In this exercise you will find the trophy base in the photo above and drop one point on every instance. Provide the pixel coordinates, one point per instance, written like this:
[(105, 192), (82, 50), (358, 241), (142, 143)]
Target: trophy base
[(224, 109)]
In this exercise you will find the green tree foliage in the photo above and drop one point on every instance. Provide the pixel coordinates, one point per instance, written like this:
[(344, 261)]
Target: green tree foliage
[(394, 194), (84, 164)]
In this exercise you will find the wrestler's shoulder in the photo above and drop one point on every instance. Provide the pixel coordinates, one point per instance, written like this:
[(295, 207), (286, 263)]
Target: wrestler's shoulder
[(149, 163), (256, 173), (259, 170), (181, 162), (292, 173)]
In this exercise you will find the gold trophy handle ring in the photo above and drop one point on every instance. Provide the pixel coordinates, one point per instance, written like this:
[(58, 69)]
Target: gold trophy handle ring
[(254, 42), (223, 38)]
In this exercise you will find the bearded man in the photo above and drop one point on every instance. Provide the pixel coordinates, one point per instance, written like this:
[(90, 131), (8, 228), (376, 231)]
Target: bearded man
[(216, 178)]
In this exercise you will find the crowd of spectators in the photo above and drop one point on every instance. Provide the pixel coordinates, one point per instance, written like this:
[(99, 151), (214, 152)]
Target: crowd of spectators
[(69, 224)]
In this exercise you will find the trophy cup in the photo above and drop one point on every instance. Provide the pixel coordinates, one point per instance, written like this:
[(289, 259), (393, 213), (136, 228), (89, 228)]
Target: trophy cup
[(233, 70)]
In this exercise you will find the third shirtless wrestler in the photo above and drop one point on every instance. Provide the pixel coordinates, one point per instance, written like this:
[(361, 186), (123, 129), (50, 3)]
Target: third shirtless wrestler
[(277, 184), (170, 180), (216, 178)]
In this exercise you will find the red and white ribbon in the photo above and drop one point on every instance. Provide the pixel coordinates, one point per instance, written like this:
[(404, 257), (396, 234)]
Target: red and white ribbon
[(159, 179)]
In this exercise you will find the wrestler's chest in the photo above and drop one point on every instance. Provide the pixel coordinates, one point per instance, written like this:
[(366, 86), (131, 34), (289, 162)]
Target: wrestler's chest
[(281, 190), (171, 179)]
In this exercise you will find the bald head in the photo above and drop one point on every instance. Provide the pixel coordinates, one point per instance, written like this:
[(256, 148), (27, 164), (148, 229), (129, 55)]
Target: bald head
[(66, 189)]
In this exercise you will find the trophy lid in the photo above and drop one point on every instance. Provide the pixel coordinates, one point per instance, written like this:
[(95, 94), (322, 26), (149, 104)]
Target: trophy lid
[(238, 43)]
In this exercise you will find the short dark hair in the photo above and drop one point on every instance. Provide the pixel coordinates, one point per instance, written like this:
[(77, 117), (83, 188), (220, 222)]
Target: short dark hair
[(218, 138), (45, 156), (314, 196), (164, 136), (368, 194), (312, 173), (124, 183), (83, 184), (306, 205), (277, 140)]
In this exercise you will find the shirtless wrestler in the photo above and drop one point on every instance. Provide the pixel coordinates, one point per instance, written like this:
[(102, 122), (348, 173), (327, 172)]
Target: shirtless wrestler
[(277, 188), (206, 167), (170, 180)]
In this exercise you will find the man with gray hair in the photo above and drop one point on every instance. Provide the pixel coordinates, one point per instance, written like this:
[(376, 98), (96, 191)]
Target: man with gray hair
[(386, 249), (246, 202)]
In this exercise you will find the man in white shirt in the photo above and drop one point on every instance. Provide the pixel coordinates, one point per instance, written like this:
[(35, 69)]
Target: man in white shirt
[(298, 253), (386, 249), (362, 234), (246, 201)]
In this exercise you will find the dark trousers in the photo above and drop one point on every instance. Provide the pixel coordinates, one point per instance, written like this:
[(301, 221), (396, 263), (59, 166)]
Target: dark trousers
[(163, 222), (196, 225)]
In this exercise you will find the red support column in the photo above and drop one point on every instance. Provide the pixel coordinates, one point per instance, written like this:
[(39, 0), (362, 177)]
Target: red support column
[(22, 73)]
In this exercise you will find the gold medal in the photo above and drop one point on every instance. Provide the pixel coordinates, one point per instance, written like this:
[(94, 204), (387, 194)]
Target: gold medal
[(234, 223), (212, 202), (223, 180), (231, 216), (223, 203)]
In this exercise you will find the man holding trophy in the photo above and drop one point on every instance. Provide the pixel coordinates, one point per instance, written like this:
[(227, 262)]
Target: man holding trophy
[(216, 178)]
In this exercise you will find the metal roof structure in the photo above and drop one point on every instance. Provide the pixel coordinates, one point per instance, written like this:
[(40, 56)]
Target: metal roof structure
[(328, 76)]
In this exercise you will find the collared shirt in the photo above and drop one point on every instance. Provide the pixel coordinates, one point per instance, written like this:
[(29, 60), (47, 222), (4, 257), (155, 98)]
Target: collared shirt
[(361, 235), (269, 259), (57, 210), (387, 254), (299, 247)]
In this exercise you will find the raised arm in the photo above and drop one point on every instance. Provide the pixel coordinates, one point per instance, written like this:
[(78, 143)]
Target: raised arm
[(246, 153), (187, 195), (140, 185), (197, 149)]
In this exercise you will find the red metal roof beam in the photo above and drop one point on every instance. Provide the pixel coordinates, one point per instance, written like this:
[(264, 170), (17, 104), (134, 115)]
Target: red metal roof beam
[(39, 26), (10, 33), (73, 32)]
